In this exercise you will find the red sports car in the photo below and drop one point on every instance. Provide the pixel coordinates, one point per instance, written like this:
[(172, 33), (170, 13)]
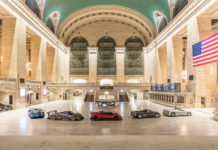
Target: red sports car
[(105, 116)]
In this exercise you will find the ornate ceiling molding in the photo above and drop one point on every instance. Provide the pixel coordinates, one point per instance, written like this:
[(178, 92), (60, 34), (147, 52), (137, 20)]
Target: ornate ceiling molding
[(106, 13)]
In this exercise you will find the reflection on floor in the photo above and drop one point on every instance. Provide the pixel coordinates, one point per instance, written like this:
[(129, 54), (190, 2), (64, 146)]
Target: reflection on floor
[(17, 122)]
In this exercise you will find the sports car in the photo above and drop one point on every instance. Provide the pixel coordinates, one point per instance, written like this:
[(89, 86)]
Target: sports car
[(176, 112), (146, 113), (101, 115), (36, 113), (65, 115)]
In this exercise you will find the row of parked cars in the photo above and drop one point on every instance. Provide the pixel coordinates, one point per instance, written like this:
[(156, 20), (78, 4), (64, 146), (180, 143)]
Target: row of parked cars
[(101, 115), (4, 107)]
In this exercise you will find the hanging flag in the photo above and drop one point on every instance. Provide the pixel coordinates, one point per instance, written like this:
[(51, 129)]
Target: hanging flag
[(206, 51)]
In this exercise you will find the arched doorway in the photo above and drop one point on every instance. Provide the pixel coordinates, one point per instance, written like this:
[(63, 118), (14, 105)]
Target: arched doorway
[(106, 56), (134, 58), (79, 60)]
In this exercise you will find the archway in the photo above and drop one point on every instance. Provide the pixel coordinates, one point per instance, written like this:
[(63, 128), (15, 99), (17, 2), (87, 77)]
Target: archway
[(79, 60), (106, 56), (134, 58)]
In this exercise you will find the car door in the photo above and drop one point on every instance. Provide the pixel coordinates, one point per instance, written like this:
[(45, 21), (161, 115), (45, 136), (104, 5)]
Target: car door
[(110, 115), (145, 113), (180, 112), (150, 113), (64, 115)]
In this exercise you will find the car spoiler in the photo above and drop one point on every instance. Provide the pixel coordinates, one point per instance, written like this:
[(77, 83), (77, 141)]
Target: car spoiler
[(94, 112), (53, 111)]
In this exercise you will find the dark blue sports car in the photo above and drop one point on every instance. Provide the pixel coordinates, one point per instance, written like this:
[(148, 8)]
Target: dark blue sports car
[(36, 113)]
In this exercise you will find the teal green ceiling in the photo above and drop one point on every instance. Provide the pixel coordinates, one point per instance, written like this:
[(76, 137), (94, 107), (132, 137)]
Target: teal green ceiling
[(67, 7)]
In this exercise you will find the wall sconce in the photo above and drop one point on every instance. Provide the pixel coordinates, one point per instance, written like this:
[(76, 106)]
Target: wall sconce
[(211, 70), (184, 75), (44, 91), (28, 66), (22, 92)]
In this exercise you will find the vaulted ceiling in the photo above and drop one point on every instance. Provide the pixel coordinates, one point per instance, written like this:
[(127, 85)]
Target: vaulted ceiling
[(117, 18), (68, 7)]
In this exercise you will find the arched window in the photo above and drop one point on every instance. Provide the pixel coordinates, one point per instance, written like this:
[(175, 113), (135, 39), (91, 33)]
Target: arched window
[(134, 60), (53, 20), (50, 25), (176, 6), (106, 56), (79, 60), (160, 20), (33, 5)]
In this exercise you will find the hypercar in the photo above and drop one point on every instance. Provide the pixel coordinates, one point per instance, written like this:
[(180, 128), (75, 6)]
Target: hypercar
[(146, 113), (101, 115), (176, 112), (65, 115), (36, 113)]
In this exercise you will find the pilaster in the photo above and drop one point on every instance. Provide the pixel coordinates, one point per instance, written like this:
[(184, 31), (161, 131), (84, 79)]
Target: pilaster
[(120, 64), (92, 64)]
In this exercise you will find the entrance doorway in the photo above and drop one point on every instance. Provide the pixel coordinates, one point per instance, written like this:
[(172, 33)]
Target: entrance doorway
[(203, 102)]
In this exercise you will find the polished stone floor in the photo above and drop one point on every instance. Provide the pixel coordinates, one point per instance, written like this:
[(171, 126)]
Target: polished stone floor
[(17, 122)]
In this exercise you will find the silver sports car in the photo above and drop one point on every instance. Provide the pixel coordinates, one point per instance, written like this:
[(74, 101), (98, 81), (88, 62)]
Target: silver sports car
[(176, 112)]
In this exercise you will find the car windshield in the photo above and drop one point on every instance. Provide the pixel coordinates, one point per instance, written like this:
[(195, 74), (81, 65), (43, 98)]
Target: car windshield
[(149, 111), (36, 110)]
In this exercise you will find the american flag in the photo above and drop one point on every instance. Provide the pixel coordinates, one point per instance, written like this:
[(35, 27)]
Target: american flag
[(206, 51)]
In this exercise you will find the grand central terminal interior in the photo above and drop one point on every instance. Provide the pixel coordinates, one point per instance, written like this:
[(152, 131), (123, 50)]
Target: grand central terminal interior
[(108, 74)]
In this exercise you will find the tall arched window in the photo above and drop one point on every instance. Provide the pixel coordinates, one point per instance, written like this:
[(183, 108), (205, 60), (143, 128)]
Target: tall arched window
[(50, 25), (106, 56), (33, 5), (160, 20), (134, 60), (176, 6), (79, 60)]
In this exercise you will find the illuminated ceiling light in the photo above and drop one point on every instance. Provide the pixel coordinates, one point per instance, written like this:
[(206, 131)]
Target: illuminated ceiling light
[(184, 75), (211, 70)]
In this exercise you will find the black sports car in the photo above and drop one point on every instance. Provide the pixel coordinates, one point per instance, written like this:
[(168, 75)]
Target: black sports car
[(146, 113), (65, 115)]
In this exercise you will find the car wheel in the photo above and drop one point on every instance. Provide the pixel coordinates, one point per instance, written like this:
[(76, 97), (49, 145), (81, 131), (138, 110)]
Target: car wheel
[(157, 115), (140, 116), (173, 115), (189, 114), (116, 118), (53, 118), (72, 118), (95, 118)]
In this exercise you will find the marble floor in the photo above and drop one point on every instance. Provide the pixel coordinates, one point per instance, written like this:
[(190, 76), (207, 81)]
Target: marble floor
[(17, 122)]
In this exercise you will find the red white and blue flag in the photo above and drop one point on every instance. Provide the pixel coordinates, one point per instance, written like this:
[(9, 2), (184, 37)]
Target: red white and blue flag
[(206, 51)]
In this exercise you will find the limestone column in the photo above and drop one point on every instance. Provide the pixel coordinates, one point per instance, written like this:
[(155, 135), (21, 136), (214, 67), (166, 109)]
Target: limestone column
[(13, 54), (43, 53), (120, 64), (204, 82), (92, 64), (146, 68), (38, 47), (171, 62), (216, 108), (50, 65), (162, 64)]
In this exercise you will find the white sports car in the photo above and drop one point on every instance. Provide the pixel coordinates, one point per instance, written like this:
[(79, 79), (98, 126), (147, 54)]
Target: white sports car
[(176, 112)]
